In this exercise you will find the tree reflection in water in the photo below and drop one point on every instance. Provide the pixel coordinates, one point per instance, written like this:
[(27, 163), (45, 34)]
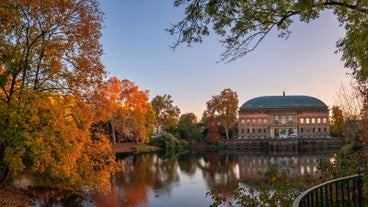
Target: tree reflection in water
[(161, 179)]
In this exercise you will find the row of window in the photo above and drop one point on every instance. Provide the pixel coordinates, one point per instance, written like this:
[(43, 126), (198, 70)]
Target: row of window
[(313, 130), (255, 121), (313, 120), (285, 119), (302, 130)]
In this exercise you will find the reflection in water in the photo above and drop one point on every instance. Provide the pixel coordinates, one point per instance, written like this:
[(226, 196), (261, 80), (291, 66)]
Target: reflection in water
[(159, 179)]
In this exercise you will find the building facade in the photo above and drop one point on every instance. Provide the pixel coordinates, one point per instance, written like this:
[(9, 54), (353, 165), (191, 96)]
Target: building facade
[(283, 117)]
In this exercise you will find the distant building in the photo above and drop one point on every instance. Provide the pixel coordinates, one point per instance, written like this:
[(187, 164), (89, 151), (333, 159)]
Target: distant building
[(284, 116)]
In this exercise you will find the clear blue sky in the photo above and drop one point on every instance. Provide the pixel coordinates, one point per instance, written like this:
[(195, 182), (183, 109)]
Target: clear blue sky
[(136, 47)]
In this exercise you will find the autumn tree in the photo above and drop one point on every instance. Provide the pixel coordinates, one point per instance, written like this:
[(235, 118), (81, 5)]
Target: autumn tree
[(337, 122), (242, 25), (49, 58), (224, 109), (106, 102), (165, 112), (50, 46), (135, 117), (125, 108)]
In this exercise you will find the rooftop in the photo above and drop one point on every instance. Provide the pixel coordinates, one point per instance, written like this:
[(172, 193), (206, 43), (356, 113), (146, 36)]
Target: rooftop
[(271, 102)]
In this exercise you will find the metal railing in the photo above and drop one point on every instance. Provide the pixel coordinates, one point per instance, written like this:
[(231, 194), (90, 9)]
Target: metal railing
[(346, 191)]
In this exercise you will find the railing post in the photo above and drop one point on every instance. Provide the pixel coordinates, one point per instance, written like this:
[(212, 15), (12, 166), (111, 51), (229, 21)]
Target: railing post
[(360, 184)]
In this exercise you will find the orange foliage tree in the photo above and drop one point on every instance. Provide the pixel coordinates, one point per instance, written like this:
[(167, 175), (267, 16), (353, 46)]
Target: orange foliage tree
[(49, 57), (125, 109)]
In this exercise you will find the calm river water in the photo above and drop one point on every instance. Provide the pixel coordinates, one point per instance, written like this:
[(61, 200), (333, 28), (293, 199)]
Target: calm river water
[(177, 179)]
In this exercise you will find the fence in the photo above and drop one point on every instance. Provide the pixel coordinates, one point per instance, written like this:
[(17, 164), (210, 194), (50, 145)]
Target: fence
[(346, 191)]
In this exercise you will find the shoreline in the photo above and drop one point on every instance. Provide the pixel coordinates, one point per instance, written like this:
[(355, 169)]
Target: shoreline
[(11, 196)]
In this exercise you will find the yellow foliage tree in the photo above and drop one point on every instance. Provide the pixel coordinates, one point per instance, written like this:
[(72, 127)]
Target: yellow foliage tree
[(49, 58)]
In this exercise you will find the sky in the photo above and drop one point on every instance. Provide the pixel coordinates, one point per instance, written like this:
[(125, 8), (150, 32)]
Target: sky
[(137, 47)]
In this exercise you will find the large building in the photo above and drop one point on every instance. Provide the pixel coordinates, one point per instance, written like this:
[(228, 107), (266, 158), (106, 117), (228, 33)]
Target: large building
[(284, 116)]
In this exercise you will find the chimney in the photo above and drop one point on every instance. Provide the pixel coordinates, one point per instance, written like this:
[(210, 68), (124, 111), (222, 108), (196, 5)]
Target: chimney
[(283, 93)]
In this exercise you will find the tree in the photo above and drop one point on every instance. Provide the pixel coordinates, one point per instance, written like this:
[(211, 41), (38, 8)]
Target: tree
[(106, 101), (125, 108), (48, 136), (224, 108), (165, 112), (337, 122), (243, 25), (187, 125), (49, 45), (49, 59), (349, 100), (135, 117)]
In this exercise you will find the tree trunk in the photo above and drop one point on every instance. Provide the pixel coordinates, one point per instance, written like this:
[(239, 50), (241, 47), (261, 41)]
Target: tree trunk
[(227, 132), (113, 130), (5, 176)]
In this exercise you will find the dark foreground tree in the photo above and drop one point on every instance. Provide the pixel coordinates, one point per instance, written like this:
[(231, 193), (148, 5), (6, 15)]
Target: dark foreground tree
[(244, 24)]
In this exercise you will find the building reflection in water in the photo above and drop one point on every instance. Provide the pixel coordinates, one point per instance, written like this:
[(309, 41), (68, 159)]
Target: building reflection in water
[(167, 179)]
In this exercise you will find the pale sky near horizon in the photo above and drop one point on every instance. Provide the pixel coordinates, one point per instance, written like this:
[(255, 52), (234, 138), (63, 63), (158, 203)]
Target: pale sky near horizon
[(136, 47)]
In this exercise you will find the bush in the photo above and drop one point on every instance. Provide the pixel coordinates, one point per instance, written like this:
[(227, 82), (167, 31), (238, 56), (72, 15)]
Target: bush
[(167, 140)]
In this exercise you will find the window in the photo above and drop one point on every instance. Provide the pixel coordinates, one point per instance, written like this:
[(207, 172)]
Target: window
[(265, 121), (242, 131), (259, 121), (301, 130), (319, 129), (302, 120), (313, 120), (265, 130), (242, 121), (290, 119), (259, 130), (254, 121), (307, 120), (248, 131), (276, 119), (314, 129), (248, 121), (318, 120), (283, 119), (254, 131), (324, 120)]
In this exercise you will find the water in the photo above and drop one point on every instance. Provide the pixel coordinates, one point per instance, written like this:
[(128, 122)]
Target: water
[(175, 179)]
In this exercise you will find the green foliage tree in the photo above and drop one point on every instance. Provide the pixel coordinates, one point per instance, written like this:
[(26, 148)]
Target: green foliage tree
[(165, 112), (223, 108), (188, 126), (242, 25)]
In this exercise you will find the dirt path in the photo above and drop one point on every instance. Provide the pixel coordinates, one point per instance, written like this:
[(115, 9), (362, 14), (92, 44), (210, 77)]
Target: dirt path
[(123, 147), (131, 147), (14, 197)]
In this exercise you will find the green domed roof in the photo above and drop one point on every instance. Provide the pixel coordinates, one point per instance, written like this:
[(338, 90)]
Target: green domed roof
[(268, 102)]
